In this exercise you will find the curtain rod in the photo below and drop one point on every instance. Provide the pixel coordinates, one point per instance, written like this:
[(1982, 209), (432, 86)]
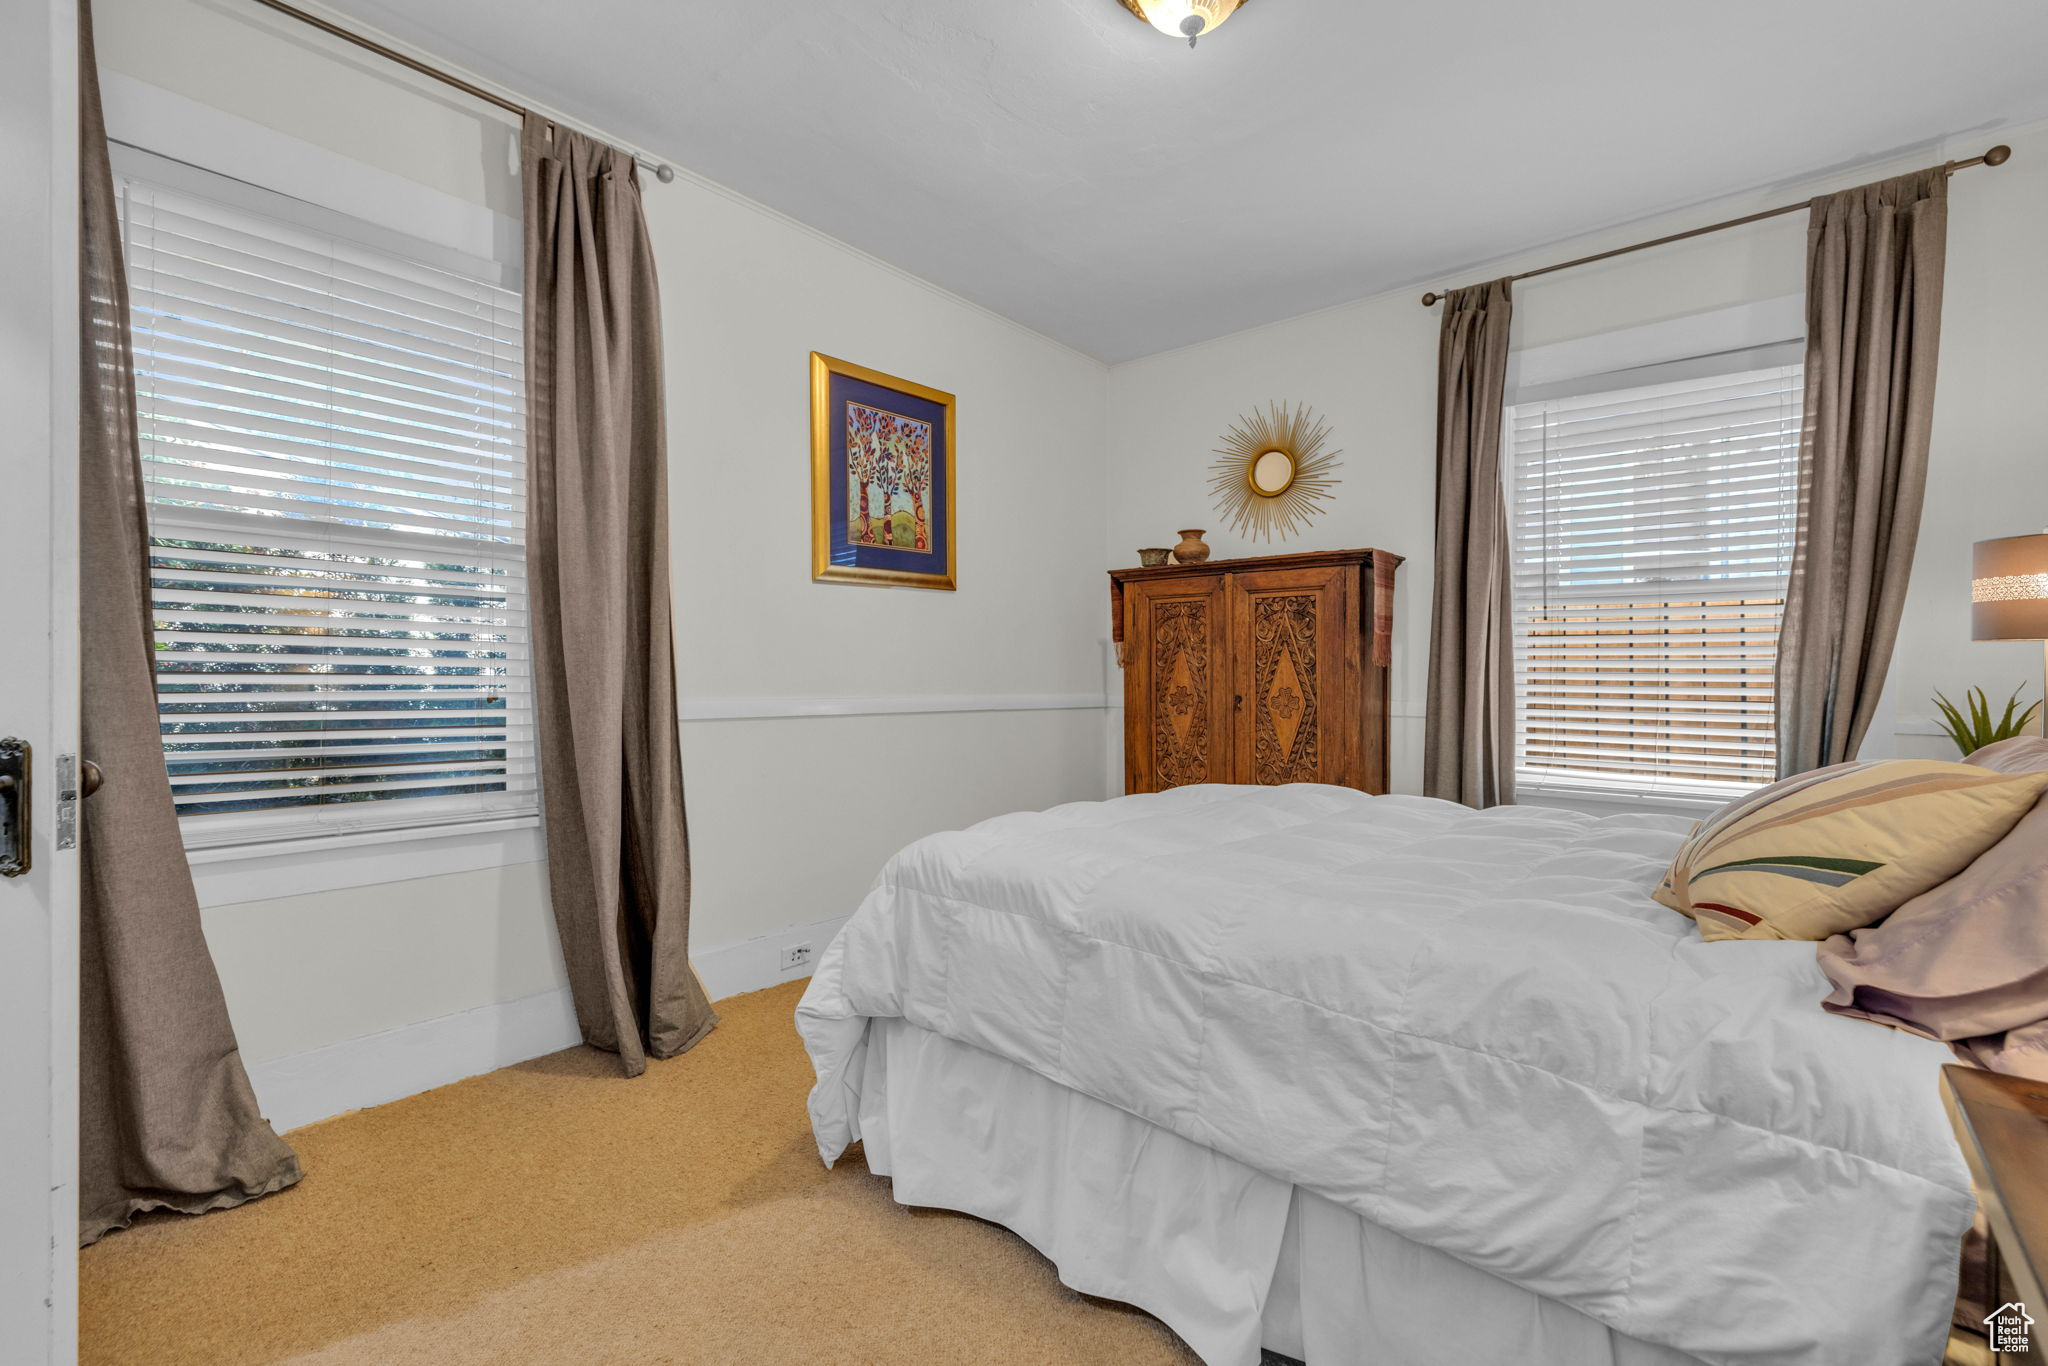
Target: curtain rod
[(662, 170), (1997, 156)]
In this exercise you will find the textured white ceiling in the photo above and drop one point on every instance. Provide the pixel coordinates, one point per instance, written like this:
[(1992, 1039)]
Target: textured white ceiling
[(1067, 166)]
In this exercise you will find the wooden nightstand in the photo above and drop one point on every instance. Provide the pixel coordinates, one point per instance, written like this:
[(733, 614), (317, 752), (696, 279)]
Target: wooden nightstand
[(2002, 1124)]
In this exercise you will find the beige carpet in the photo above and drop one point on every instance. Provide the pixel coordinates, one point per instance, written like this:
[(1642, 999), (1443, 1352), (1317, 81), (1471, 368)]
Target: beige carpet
[(556, 1213)]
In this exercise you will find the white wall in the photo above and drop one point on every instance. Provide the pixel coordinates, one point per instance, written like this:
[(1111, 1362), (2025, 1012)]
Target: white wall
[(1370, 367), (791, 815)]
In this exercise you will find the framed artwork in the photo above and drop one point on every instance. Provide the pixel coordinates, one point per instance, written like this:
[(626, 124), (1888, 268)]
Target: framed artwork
[(881, 478)]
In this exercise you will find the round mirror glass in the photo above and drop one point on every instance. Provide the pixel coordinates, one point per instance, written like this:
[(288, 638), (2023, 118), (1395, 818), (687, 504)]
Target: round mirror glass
[(1272, 472)]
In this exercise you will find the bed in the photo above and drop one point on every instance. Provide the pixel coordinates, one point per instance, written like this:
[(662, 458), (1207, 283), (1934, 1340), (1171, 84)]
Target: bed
[(1383, 1080)]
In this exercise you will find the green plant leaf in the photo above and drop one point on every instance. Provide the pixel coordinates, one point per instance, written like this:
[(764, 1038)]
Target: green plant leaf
[(1976, 728), (1952, 722)]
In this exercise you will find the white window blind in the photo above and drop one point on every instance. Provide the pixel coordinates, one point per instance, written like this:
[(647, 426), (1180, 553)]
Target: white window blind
[(1652, 533), (333, 443)]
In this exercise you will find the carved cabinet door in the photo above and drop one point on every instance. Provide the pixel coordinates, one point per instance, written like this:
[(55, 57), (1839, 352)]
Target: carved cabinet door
[(1177, 685), (1289, 690)]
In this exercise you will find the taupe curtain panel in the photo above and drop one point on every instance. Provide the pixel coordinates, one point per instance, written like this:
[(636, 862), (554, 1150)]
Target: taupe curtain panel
[(1874, 258), (1469, 741), (604, 672), (166, 1116)]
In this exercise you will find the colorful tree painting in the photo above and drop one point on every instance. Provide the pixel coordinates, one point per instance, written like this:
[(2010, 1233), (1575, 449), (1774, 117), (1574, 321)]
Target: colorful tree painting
[(890, 456), (862, 453), (888, 474), (917, 474)]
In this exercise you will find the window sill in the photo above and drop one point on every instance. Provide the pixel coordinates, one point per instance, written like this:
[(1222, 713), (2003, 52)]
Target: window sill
[(229, 850), (261, 870), (1607, 801)]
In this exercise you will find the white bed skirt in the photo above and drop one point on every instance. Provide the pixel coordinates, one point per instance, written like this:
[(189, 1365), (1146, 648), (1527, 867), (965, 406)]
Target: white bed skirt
[(1229, 1258)]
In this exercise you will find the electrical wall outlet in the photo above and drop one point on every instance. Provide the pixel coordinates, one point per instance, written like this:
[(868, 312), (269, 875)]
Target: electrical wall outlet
[(795, 956)]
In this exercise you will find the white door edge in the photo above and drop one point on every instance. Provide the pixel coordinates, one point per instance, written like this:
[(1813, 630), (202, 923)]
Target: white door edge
[(39, 677)]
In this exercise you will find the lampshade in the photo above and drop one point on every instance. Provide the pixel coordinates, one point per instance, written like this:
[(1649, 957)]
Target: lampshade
[(2009, 589), (1188, 19)]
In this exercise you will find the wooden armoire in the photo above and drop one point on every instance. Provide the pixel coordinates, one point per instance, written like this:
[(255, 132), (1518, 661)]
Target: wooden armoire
[(1266, 670)]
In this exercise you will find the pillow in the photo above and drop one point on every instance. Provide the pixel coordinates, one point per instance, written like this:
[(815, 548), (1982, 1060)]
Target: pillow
[(1966, 961), (1839, 848), (2021, 754)]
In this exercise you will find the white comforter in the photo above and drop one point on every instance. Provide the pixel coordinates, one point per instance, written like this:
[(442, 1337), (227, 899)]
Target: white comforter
[(1473, 1028)]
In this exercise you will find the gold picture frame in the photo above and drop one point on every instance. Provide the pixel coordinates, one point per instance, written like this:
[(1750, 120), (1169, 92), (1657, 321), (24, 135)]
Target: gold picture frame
[(881, 434)]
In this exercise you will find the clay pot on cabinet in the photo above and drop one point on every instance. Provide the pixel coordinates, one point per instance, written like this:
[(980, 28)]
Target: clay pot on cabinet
[(1192, 548)]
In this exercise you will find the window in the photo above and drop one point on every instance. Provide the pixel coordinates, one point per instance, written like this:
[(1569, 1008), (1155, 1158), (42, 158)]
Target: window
[(333, 445), (1652, 532)]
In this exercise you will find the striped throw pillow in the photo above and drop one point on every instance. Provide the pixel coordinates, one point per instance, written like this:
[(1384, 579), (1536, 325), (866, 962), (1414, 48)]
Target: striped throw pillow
[(1839, 848)]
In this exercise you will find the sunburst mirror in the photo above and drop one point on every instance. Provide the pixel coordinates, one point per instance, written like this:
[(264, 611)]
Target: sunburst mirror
[(1275, 472)]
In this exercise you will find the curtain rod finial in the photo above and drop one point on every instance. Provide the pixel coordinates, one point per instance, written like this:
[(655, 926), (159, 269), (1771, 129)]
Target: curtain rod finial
[(1998, 155), (1430, 298), (664, 173)]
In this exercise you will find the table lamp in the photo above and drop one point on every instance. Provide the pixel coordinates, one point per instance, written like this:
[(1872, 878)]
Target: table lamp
[(2009, 595)]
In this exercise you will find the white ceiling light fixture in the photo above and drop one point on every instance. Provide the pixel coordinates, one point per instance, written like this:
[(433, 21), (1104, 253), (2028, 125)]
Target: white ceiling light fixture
[(1188, 19)]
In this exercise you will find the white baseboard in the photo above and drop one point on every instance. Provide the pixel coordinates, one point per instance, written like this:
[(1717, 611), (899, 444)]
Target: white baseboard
[(755, 964), (357, 1073)]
